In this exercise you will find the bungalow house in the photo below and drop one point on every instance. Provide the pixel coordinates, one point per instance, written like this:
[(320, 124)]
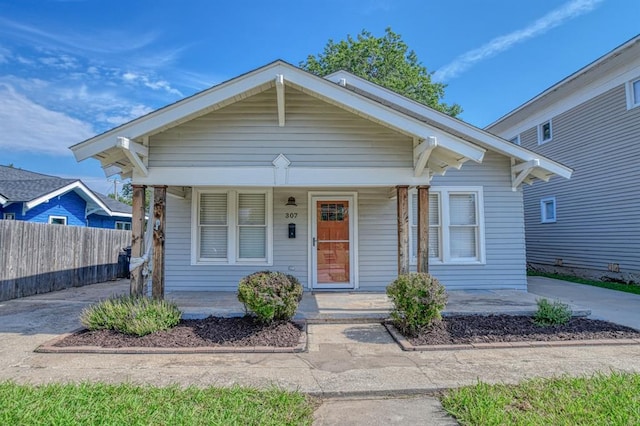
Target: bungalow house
[(39, 198), (590, 225), (335, 180)]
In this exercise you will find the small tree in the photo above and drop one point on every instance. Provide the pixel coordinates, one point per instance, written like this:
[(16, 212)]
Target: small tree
[(386, 61)]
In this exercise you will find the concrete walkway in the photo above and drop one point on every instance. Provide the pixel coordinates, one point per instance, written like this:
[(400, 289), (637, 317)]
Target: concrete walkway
[(344, 360), (615, 306)]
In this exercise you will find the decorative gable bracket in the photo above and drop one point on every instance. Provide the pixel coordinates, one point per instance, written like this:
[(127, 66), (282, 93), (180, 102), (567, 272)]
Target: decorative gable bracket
[(527, 172), (281, 170), (134, 151)]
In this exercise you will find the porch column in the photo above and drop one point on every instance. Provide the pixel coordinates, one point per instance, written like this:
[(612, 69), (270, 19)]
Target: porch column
[(137, 237), (159, 209), (403, 229), (423, 228)]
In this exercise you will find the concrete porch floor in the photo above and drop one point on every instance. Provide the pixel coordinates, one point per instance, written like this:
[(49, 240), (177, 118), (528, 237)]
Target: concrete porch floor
[(361, 306)]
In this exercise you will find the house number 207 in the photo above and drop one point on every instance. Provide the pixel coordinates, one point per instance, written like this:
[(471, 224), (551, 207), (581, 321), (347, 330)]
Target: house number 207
[(291, 215)]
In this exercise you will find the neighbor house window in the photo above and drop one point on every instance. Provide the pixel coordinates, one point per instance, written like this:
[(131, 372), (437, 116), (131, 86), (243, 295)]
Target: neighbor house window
[(232, 227), (515, 140), (633, 93), (124, 226), (455, 225), (58, 220), (9, 216), (545, 133), (548, 210)]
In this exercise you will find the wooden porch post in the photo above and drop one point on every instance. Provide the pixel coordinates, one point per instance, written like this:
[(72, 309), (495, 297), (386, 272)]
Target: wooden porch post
[(159, 210), (403, 229), (137, 237), (423, 228)]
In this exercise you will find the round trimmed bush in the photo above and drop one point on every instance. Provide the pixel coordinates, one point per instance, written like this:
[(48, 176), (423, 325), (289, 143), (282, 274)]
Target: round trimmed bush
[(135, 315), (271, 296), (418, 300)]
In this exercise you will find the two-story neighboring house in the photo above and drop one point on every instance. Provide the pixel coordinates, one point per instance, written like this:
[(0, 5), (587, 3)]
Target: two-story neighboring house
[(590, 121), (34, 197)]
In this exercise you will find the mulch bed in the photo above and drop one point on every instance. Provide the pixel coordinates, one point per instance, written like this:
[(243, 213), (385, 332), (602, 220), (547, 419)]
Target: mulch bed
[(507, 328), (211, 331)]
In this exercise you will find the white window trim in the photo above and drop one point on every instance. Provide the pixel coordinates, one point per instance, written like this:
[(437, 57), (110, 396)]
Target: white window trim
[(543, 210), (515, 139), (543, 141), (630, 93), (124, 224), (51, 218), (9, 216), (232, 224), (445, 243)]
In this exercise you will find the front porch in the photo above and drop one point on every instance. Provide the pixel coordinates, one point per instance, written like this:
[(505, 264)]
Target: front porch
[(340, 307)]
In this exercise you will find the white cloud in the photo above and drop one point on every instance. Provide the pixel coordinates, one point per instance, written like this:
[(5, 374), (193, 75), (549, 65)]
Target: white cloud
[(131, 113), (150, 82), (29, 127), (5, 54), (551, 20)]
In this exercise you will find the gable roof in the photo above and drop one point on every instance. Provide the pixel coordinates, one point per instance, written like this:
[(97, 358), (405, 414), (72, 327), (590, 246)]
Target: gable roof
[(592, 74), (443, 141), (33, 189)]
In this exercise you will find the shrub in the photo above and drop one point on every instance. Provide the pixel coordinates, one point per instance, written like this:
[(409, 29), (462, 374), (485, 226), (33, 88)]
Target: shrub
[(133, 315), (418, 300), (270, 295), (556, 313)]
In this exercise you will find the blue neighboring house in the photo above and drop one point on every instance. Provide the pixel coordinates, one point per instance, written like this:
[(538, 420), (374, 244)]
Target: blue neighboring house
[(35, 197)]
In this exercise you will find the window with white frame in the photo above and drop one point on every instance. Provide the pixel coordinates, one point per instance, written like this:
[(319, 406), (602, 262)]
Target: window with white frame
[(545, 132), (515, 140), (548, 210), (58, 220), (455, 225), (9, 216), (232, 227), (124, 226), (633, 93)]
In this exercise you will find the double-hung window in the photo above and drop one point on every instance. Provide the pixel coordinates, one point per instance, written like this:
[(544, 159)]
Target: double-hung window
[(456, 228), (633, 93), (232, 227), (545, 132), (548, 210), (124, 226)]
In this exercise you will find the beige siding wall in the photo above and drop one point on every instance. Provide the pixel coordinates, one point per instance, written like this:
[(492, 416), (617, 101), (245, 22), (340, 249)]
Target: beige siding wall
[(247, 134), (377, 245), (598, 209)]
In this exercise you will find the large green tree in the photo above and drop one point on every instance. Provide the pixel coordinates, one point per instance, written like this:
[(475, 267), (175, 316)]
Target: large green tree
[(386, 61)]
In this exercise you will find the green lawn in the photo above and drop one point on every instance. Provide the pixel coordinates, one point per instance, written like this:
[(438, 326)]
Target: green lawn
[(629, 288), (598, 400), (126, 404)]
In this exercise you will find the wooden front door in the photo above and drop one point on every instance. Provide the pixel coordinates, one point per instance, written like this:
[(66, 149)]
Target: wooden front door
[(332, 243)]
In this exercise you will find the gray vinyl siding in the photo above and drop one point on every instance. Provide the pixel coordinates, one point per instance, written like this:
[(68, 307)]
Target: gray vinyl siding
[(377, 242), (503, 226), (246, 133), (598, 209)]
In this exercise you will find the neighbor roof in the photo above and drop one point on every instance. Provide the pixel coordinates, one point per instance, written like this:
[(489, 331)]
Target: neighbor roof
[(31, 188)]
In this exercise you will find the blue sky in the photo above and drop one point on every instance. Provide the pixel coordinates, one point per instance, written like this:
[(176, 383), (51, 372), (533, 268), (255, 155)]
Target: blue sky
[(71, 68)]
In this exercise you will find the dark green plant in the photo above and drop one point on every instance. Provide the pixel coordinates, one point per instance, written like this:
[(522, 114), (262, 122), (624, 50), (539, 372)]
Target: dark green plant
[(385, 60), (548, 313), (271, 296), (418, 300), (135, 315)]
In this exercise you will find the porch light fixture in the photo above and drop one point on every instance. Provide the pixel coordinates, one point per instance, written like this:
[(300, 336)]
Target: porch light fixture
[(291, 202)]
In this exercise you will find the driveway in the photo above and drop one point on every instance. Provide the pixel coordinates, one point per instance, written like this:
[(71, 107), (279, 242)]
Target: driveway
[(610, 305)]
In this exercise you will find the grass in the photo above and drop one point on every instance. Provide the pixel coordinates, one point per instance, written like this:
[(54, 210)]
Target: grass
[(597, 400), (628, 288), (127, 404)]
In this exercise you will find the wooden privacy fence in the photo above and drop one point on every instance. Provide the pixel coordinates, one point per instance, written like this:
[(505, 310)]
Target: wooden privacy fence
[(39, 258)]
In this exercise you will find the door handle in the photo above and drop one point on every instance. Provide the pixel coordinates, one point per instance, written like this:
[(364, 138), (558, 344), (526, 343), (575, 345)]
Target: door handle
[(314, 241)]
